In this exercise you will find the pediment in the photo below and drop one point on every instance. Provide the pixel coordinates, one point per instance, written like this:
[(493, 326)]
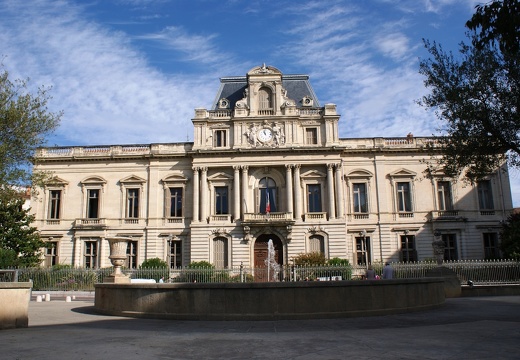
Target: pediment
[(360, 173), (174, 178), (264, 70), (56, 181), (133, 179), (313, 174), (220, 176), (94, 180), (403, 173)]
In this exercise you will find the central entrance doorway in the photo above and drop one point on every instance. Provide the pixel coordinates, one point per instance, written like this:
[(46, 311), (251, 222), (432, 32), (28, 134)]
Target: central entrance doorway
[(261, 253)]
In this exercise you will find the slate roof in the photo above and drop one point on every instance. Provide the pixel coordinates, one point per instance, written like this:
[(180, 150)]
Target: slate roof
[(297, 86)]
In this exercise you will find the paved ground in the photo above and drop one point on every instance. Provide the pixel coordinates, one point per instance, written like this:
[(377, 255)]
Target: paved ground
[(464, 328)]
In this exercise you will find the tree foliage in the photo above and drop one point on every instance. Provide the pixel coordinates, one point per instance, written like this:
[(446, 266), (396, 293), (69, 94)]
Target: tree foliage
[(20, 242), (25, 121), (510, 237), (477, 94)]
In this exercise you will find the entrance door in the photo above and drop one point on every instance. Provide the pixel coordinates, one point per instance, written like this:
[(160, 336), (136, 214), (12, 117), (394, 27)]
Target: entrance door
[(261, 253)]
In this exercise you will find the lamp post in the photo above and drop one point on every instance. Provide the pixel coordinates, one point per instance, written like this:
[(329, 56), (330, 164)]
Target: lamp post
[(363, 234), (169, 250)]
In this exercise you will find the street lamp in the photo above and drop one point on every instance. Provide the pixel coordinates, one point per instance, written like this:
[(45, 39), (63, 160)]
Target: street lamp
[(363, 234), (170, 239)]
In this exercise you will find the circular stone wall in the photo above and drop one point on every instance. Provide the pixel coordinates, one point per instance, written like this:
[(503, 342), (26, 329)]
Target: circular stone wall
[(269, 301)]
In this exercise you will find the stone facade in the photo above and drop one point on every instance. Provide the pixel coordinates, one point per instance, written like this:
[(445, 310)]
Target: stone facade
[(266, 163)]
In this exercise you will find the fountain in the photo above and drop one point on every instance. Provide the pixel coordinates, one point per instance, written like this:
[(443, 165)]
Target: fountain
[(273, 268)]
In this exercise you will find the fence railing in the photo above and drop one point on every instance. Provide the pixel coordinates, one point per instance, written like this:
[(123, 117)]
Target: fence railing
[(480, 272)]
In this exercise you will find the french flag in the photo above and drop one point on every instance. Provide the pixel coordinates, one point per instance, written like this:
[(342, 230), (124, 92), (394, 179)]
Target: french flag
[(267, 204)]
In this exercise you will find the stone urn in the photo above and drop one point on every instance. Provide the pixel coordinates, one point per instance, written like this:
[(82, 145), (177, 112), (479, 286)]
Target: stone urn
[(117, 257)]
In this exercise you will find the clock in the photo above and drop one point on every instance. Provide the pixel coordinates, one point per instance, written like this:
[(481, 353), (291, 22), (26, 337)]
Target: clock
[(265, 135)]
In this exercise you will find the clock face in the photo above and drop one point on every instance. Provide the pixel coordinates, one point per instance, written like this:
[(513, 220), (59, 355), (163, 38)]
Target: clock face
[(265, 135)]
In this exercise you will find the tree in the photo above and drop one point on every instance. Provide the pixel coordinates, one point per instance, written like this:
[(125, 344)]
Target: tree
[(25, 122), (477, 95), (510, 237), (19, 241)]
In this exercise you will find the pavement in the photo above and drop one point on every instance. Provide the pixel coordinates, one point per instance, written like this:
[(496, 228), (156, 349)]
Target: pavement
[(463, 328)]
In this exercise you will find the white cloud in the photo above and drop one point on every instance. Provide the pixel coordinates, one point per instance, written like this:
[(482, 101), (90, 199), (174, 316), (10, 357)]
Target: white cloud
[(107, 90)]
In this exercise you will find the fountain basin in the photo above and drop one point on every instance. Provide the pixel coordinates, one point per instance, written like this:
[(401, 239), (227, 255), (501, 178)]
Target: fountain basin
[(269, 301)]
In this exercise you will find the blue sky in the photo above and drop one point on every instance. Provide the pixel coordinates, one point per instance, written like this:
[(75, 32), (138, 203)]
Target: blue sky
[(133, 71)]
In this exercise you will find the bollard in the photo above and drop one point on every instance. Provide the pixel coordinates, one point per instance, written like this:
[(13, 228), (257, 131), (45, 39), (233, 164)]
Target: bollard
[(39, 298), (73, 297), (47, 297), (68, 299)]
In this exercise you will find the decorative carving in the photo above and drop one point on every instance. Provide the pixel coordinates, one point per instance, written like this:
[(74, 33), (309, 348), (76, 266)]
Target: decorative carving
[(286, 101), (278, 135), (315, 229), (247, 233), (219, 232), (242, 103)]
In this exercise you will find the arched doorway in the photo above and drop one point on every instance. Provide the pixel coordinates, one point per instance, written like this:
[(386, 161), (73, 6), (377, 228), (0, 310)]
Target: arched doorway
[(261, 253)]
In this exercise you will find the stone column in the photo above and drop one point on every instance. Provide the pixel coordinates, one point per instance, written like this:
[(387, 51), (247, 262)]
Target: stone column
[(76, 262), (236, 192), (289, 190), (297, 193), (196, 193), (339, 191), (244, 190), (204, 194), (330, 186)]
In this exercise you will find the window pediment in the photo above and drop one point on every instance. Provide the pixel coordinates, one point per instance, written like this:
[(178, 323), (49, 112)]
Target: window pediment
[(175, 178), (313, 174), (132, 179), (360, 173), (57, 182), (403, 173), (93, 180), (220, 176)]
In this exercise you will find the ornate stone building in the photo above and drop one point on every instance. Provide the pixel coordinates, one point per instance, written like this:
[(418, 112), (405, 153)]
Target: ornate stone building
[(266, 163)]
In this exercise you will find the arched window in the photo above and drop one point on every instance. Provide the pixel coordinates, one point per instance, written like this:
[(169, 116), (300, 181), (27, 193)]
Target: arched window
[(268, 195), (265, 101)]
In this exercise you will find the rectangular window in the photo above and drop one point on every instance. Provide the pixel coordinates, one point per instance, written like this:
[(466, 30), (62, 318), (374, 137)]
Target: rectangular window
[(221, 200), (359, 196), (54, 204), (93, 203), (317, 244), (450, 247), (311, 136), (91, 253), (175, 202), (485, 196), (314, 198), (175, 254), (131, 254), (220, 138), (51, 253), (408, 252), (491, 249), (220, 252), (132, 203), (404, 198), (444, 198), (363, 250)]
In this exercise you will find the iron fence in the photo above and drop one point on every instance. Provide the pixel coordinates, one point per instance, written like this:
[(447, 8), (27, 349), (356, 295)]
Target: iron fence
[(480, 272)]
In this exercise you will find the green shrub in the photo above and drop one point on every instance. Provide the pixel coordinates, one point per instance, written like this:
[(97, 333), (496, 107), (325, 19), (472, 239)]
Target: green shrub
[(310, 259), (153, 268)]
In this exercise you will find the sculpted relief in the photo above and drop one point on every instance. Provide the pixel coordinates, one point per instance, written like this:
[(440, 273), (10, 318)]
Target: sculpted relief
[(265, 135)]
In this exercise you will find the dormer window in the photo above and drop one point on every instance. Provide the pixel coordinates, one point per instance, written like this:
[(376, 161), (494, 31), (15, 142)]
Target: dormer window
[(223, 103), (265, 101), (307, 101)]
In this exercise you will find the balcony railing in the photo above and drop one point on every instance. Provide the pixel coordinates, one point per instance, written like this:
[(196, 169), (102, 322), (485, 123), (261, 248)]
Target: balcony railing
[(274, 216), (321, 216), (98, 222)]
